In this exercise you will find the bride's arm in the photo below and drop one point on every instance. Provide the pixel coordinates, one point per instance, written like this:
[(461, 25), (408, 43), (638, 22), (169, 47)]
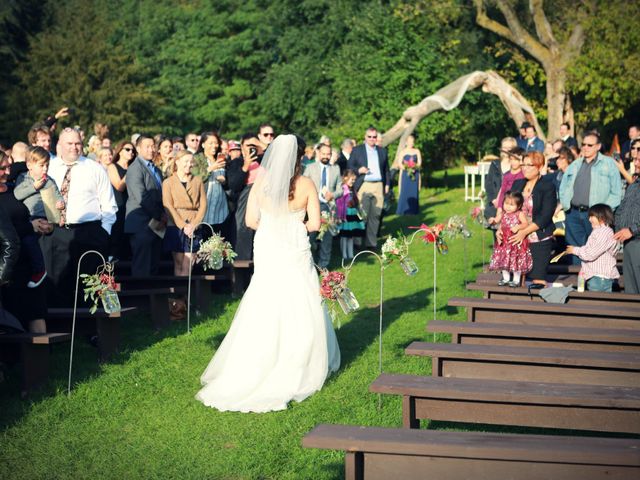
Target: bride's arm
[(252, 215), (313, 208)]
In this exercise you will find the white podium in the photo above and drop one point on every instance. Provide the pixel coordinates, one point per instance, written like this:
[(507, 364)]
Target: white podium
[(470, 172)]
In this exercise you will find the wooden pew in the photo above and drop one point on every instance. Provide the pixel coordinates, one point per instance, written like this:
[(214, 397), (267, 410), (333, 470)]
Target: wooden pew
[(34, 355), (499, 402), (528, 364), (107, 326), (540, 313), (155, 300), (201, 285), (241, 272), (385, 453), (497, 292), (491, 278), (544, 336)]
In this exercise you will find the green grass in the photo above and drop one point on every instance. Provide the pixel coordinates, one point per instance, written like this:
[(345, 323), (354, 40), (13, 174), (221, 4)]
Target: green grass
[(137, 417)]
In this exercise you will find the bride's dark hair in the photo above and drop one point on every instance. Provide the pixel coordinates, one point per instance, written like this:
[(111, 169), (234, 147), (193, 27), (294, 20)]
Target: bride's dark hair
[(297, 170)]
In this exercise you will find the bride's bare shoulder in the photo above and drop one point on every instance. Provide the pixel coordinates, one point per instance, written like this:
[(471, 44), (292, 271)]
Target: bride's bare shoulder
[(304, 184)]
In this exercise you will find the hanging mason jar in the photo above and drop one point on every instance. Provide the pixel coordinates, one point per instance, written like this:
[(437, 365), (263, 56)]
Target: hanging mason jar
[(466, 233), (409, 266), (110, 301), (216, 263), (347, 301), (441, 245), (333, 229)]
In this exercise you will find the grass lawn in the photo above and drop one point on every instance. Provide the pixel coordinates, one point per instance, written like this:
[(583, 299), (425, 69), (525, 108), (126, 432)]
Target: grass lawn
[(137, 417)]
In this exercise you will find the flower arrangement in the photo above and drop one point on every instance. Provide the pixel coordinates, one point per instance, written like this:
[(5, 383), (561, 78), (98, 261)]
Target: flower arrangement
[(411, 167), (397, 248), (101, 287), (328, 223), (433, 235), (213, 251), (456, 226), (333, 288)]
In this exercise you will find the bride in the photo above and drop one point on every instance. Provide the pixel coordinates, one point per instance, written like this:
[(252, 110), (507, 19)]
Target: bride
[(281, 345)]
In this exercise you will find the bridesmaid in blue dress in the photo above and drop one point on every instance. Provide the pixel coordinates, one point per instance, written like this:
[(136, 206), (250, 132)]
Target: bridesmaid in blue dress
[(409, 182)]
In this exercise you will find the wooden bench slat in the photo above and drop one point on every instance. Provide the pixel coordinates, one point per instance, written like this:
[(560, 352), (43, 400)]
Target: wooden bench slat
[(540, 448), (67, 313), (508, 391), (574, 295), (35, 338)]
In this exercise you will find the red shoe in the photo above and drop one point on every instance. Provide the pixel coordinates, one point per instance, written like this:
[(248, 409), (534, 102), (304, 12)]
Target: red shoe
[(36, 279)]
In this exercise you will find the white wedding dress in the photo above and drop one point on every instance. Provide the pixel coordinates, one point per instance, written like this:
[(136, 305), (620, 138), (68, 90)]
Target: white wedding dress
[(281, 345)]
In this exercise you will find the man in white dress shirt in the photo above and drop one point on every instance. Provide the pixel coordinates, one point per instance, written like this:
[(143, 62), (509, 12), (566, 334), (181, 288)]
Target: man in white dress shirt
[(89, 213)]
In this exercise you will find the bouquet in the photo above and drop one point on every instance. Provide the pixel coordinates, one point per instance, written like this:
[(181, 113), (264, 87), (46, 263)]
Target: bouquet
[(101, 287), (433, 235), (456, 225), (328, 223), (333, 288), (213, 251), (411, 167), (397, 248)]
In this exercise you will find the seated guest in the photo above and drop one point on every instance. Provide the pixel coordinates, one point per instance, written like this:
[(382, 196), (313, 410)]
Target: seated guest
[(539, 204), (145, 218), (627, 221), (185, 201), (27, 305)]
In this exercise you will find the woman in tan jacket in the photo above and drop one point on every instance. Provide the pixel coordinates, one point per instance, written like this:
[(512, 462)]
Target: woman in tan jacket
[(185, 201)]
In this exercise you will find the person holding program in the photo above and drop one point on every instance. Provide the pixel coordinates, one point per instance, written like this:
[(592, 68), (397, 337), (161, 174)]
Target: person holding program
[(598, 255), (281, 345), (511, 258)]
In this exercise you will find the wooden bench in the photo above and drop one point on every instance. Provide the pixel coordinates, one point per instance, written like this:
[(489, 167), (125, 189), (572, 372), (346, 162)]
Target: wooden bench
[(540, 313), (498, 402), (497, 292), (529, 364), (544, 336), (156, 300), (201, 289), (386, 453), (34, 355), (107, 326), (491, 278), (241, 272)]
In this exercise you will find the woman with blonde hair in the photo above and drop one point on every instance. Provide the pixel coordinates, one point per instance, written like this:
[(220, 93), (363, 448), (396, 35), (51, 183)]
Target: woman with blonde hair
[(185, 202)]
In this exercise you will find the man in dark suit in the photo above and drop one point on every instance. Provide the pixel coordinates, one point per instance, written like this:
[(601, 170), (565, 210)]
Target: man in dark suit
[(534, 144), (565, 136), (346, 147), (371, 164), (144, 210)]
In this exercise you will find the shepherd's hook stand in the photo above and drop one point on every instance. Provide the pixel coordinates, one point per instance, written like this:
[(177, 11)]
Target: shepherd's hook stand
[(191, 268)]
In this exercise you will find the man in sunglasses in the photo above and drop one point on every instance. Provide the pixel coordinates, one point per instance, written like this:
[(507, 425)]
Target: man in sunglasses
[(371, 164), (266, 134), (592, 178)]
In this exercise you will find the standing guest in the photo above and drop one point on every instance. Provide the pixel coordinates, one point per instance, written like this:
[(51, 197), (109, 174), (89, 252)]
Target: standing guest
[(252, 155), (522, 137), (627, 221), (497, 169), (40, 136), (351, 225), (106, 143), (27, 305), (93, 146), (192, 141), (326, 178), (104, 157), (599, 254), (89, 213), (534, 144), (409, 185), (18, 163), (178, 144), (185, 201), (565, 135), (28, 190), (117, 171), (236, 176), (212, 164), (346, 147), (634, 152), (539, 204), (164, 156), (593, 178), (564, 159), (634, 133), (145, 218), (309, 156), (224, 147), (266, 134), (515, 173), (371, 164)]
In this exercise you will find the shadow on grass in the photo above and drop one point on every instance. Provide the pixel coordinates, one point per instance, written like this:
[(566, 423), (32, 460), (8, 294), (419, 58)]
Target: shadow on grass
[(137, 334)]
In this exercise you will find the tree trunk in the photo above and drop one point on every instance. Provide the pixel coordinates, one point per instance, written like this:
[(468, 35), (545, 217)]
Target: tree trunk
[(556, 100)]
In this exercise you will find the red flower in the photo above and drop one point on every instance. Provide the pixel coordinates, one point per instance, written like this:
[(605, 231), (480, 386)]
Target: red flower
[(430, 234)]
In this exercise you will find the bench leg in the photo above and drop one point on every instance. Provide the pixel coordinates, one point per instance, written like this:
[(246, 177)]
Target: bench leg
[(35, 365), (159, 307), (108, 329), (409, 419), (354, 466), (202, 290), (239, 281)]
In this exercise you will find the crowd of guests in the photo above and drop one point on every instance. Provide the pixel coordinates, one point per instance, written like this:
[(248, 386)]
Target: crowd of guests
[(147, 197), (591, 199)]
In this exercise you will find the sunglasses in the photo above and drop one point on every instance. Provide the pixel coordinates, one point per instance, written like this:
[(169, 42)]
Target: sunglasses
[(588, 145), (372, 136), (128, 149)]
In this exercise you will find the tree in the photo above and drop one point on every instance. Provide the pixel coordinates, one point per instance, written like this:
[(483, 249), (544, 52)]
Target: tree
[(555, 56)]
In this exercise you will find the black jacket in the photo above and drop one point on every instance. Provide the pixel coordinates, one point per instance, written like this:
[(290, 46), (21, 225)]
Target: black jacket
[(9, 247), (358, 159), (544, 204)]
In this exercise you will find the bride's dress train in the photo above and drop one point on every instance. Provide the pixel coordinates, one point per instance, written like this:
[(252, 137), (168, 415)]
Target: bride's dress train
[(281, 345)]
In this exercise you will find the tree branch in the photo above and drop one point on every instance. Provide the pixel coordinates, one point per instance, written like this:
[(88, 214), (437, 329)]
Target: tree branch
[(485, 22), (523, 38), (543, 27), (574, 45)]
